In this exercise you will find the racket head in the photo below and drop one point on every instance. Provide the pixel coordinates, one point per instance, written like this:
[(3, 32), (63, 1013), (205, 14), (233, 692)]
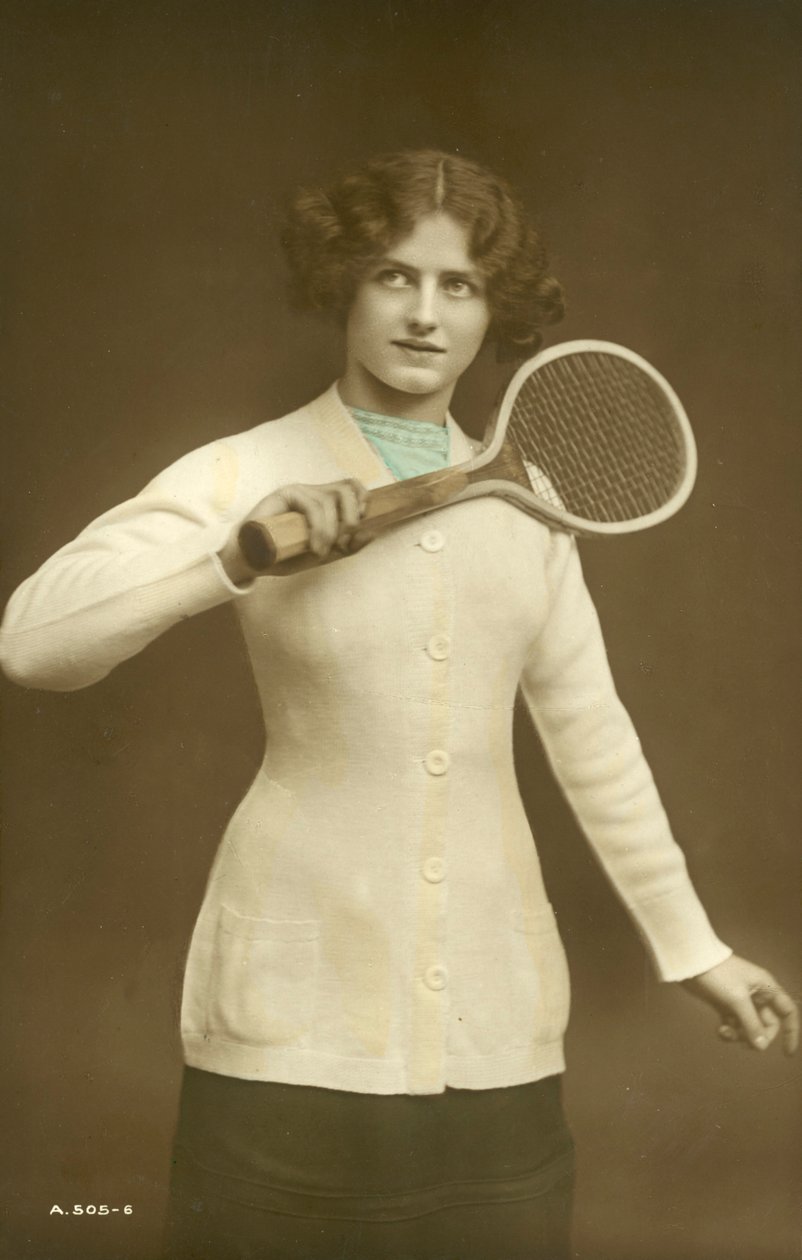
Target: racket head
[(606, 442)]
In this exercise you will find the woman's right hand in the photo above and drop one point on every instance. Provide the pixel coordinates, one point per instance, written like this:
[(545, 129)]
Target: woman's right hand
[(333, 513)]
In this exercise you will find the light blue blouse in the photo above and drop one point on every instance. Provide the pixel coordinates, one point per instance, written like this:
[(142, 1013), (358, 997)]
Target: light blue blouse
[(407, 447)]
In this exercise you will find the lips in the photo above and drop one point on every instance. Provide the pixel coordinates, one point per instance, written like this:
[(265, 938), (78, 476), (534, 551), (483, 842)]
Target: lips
[(425, 347)]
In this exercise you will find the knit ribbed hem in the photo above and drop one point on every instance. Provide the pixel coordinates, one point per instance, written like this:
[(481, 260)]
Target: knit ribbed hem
[(677, 934), (367, 1076), (701, 962), (514, 1069)]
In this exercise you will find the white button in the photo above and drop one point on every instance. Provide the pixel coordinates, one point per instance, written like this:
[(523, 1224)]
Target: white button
[(439, 647), (434, 869), (432, 540), (437, 761), (435, 977)]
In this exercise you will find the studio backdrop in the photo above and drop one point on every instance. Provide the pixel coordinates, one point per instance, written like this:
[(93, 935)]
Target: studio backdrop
[(151, 148)]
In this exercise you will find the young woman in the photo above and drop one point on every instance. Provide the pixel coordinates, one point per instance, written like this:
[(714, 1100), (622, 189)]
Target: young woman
[(376, 991)]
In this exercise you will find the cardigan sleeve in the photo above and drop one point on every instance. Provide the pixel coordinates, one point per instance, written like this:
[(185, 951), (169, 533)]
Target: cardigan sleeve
[(130, 575), (596, 755)]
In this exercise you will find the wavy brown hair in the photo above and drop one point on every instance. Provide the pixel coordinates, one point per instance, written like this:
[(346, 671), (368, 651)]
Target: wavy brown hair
[(333, 235)]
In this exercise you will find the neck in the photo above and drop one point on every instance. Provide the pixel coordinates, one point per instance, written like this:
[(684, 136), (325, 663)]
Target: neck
[(360, 389)]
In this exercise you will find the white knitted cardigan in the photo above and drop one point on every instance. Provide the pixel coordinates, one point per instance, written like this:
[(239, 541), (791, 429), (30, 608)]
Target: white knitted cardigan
[(375, 919)]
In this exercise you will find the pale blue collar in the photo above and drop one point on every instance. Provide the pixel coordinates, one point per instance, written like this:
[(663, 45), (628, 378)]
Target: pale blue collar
[(407, 447)]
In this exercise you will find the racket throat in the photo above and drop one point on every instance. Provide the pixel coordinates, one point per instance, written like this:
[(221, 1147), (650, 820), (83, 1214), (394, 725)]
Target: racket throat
[(508, 465)]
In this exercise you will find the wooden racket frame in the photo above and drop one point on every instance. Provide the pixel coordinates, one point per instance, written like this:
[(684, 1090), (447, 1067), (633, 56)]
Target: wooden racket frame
[(496, 469)]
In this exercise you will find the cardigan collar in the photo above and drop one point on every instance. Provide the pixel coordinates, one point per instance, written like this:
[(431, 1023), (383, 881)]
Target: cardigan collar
[(354, 453)]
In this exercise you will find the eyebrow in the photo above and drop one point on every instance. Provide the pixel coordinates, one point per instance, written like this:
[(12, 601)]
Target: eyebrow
[(473, 274)]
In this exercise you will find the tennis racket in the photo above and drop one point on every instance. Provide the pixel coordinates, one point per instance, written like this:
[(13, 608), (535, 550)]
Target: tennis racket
[(589, 438)]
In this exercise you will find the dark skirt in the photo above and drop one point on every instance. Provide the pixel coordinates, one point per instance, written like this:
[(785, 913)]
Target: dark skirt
[(266, 1171)]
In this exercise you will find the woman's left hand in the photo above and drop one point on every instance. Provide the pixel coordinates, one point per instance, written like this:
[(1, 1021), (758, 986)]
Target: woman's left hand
[(753, 1007)]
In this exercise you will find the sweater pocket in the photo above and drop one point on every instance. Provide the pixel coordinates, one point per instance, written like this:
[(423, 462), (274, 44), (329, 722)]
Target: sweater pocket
[(539, 928), (263, 980)]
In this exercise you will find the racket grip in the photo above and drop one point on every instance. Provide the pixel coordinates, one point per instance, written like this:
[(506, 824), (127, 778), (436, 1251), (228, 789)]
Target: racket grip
[(267, 542)]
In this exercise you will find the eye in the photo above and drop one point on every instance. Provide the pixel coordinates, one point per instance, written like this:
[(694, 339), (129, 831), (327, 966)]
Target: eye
[(392, 278), (458, 286)]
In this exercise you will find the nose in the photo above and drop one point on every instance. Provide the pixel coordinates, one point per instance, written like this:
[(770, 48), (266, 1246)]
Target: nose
[(422, 315)]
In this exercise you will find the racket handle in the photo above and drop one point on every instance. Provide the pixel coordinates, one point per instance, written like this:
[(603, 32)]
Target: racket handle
[(267, 542)]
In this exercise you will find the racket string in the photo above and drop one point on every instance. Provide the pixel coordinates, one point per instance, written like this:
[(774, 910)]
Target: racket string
[(598, 437)]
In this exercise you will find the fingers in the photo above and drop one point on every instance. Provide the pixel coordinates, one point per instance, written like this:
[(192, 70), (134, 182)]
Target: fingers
[(746, 1021), (778, 1013), (360, 539), (728, 1032), (758, 1019), (730, 1029), (771, 1022), (332, 512), (785, 1011), (752, 1006), (351, 498)]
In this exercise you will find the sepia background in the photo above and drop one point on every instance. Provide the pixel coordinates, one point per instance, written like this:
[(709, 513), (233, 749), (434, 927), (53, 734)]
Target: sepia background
[(151, 147)]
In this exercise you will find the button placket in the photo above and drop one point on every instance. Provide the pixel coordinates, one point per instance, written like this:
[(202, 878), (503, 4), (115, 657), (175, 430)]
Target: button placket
[(432, 541), (435, 977), (434, 870), (439, 647), (434, 645), (437, 762)]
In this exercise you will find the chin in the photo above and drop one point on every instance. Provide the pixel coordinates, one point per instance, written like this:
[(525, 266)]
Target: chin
[(415, 381)]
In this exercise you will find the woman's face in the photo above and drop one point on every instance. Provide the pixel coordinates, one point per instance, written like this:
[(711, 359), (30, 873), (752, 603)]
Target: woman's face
[(417, 321)]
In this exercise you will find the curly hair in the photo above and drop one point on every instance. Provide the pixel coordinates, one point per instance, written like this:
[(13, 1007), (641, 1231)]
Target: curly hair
[(334, 235)]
